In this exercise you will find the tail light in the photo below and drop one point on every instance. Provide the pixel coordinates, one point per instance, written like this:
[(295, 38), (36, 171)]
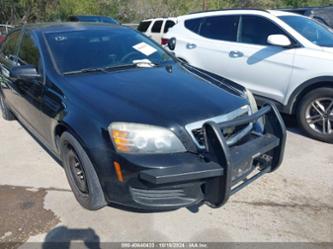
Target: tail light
[(164, 41)]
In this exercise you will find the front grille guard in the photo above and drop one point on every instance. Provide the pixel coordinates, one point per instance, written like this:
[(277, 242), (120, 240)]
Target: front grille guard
[(219, 189), (226, 169)]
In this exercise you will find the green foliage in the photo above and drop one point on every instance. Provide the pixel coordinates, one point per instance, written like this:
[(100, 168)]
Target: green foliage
[(17, 11)]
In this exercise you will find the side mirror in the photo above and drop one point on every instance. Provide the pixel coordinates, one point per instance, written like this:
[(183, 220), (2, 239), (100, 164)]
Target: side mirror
[(24, 72), (279, 40)]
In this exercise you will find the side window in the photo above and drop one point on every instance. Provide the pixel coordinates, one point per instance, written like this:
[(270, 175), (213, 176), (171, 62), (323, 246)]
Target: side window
[(157, 27), (169, 24), (9, 48), (256, 29), (220, 28), (29, 53), (194, 24), (143, 26)]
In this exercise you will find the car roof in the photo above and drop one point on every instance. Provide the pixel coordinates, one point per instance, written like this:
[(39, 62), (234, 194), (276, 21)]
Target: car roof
[(236, 12), (160, 18), (88, 16), (70, 26), (282, 13)]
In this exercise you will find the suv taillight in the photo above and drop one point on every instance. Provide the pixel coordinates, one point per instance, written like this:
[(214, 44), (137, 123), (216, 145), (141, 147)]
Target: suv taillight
[(164, 41)]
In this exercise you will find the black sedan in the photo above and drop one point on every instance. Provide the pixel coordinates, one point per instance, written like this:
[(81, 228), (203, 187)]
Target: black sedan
[(131, 125), (102, 19)]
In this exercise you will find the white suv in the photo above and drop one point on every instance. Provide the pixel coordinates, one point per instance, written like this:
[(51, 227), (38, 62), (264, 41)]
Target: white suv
[(282, 57), (155, 28)]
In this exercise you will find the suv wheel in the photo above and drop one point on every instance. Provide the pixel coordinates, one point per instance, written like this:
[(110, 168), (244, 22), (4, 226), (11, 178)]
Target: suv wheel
[(6, 113), (81, 173), (315, 114)]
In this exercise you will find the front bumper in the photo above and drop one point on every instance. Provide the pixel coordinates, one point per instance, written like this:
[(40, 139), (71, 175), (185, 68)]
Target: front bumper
[(216, 174)]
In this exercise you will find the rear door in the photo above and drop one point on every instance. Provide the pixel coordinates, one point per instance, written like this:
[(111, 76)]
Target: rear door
[(209, 43)]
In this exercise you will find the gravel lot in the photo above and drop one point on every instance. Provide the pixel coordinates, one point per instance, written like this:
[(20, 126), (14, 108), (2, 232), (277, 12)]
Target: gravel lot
[(293, 204)]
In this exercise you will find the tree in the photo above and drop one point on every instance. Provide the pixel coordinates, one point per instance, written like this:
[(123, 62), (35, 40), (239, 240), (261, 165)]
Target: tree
[(18, 11)]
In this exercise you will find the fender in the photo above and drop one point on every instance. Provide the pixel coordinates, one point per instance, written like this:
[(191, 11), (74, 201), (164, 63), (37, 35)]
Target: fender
[(302, 89), (83, 131)]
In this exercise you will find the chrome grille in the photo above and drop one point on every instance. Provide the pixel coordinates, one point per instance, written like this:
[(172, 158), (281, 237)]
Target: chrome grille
[(232, 134)]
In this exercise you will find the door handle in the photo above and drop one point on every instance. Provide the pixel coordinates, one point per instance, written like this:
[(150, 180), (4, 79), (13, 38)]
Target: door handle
[(236, 54), (191, 45)]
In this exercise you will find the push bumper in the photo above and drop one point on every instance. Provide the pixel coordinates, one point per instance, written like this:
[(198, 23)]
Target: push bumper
[(225, 169)]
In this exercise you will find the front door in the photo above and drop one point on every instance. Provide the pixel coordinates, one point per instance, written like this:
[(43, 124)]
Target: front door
[(264, 69), (30, 90)]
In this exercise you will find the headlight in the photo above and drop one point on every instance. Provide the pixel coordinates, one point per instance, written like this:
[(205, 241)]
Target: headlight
[(144, 139), (254, 108)]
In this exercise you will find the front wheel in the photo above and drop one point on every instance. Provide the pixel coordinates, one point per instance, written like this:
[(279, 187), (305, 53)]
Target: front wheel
[(315, 114), (81, 173)]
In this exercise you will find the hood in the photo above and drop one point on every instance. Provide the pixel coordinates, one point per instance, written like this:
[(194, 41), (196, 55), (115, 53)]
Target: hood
[(162, 96)]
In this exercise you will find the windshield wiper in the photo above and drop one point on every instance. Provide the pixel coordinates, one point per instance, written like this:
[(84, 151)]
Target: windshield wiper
[(119, 67), (86, 70), (136, 63), (145, 63)]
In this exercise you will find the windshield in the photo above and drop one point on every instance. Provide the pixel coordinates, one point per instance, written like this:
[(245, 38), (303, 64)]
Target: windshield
[(314, 31), (106, 48)]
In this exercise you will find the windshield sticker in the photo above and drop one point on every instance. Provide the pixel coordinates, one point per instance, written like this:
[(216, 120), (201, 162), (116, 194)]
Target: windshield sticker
[(144, 48)]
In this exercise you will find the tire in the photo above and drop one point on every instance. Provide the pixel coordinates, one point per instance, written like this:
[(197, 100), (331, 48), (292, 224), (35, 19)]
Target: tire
[(87, 191), (6, 113), (315, 114)]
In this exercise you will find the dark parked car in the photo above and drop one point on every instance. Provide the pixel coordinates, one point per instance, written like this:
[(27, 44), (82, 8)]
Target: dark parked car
[(130, 124), (103, 19), (321, 14)]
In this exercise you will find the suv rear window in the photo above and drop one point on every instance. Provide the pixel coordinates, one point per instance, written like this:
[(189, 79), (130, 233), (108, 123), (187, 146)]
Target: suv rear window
[(157, 27), (220, 28), (215, 27), (143, 26), (193, 24), (169, 24)]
